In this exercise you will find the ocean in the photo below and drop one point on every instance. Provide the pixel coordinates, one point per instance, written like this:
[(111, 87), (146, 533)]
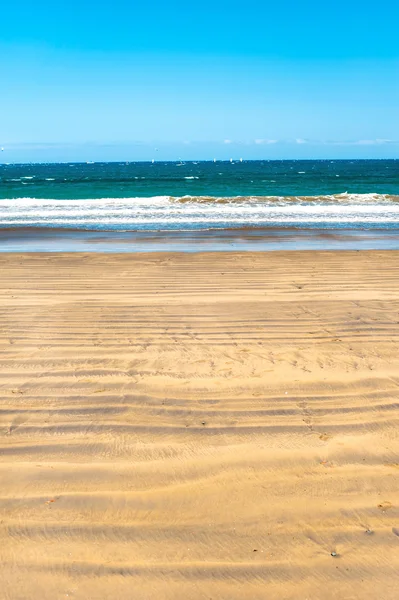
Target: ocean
[(187, 196), (227, 205)]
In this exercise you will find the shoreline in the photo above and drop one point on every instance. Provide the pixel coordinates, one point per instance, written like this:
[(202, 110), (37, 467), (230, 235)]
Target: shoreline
[(259, 239)]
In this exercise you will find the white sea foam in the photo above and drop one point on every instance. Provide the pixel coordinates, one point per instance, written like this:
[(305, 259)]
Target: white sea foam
[(190, 211)]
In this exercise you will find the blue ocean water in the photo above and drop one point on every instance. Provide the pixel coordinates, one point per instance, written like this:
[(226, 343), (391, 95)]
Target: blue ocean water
[(201, 195)]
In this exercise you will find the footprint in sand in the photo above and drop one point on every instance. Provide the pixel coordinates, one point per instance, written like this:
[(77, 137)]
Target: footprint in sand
[(384, 506)]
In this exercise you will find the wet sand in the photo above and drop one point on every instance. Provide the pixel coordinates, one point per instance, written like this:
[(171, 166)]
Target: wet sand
[(214, 425), (245, 239)]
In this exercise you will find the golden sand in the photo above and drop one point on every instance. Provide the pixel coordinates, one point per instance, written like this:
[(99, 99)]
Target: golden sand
[(217, 426)]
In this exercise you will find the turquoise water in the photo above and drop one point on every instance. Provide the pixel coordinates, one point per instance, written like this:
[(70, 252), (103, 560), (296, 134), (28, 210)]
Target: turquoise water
[(201, 195)]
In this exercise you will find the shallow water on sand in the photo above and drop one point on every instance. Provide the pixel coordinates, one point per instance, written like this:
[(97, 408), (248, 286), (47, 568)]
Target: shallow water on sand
[(221, 240)]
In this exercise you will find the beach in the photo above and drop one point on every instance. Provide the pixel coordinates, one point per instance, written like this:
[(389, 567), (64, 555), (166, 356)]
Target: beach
[(199, 425)]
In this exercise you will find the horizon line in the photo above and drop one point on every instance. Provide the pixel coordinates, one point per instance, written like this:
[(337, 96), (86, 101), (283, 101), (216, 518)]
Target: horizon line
[(196, 160)]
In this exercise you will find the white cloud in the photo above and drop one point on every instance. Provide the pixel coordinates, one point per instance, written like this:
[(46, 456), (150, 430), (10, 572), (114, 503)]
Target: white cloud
[(227, 142), (263, 141), (376, 142)]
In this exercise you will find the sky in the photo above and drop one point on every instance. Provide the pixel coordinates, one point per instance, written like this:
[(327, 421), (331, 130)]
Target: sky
[(168, 80)]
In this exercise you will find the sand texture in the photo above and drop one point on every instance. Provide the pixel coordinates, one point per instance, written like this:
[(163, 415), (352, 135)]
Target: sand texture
[(199, 426)]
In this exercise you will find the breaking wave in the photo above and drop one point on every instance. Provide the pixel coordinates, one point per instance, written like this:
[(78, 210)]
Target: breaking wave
[(203, 212)]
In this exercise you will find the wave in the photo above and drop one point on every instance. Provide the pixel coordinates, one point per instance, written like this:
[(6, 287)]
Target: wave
[(342, 198), (185, 212)]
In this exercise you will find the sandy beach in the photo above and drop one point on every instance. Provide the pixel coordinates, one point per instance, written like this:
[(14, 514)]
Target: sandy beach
[(199, 426)]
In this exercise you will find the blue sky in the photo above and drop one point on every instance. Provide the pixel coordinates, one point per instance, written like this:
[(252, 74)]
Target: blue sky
[(140, 80)]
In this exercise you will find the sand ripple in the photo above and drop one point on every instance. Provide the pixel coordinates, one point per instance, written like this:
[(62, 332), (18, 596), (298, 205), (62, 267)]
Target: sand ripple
[(199, 426)]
